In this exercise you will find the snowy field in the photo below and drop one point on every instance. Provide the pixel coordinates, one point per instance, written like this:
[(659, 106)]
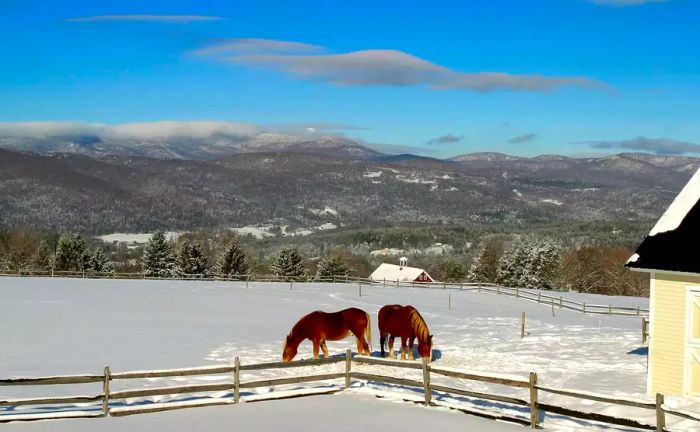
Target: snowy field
[(76, 326)]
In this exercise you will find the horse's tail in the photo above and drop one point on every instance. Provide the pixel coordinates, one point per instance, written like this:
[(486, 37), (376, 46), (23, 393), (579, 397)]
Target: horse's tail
[(368, 333)]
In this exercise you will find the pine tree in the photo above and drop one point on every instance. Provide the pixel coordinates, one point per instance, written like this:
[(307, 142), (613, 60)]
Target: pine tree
[(333, 265), (530, 264), (71, 253), (288, 263), (99, 263), (191, 260), (485, 266), (158, 260), (232, 261), (43, 258)]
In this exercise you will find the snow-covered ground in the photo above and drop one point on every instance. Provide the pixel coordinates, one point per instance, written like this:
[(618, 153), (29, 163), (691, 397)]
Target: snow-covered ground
[(75, 326), (340, 412)]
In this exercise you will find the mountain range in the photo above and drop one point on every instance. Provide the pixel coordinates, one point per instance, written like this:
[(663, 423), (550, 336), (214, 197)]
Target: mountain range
[(103, 187)]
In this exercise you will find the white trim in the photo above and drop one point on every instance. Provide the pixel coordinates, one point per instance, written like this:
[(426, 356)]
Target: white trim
[(652, 319), (671, 272)]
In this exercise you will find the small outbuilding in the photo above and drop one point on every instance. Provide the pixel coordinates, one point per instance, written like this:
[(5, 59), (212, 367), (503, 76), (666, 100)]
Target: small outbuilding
[(670, 255), (401, 273)]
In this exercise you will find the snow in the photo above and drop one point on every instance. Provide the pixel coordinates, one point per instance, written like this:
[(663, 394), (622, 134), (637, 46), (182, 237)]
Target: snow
[(452, 189), (77, 326), (680, 207), (326, 226), (312, 414), (633, 258), (552, 201), (138, 238), (373, 174), (518, 194), (324, 212), (393, 272), (258, 232)]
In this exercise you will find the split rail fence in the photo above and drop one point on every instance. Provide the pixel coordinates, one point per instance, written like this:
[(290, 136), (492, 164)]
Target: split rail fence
[(529, 410), (523, 293)]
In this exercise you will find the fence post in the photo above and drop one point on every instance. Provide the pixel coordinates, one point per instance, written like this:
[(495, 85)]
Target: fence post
[(517, 292), (644, 330), (522, 325), (426, 380), (236, 380), (384, 282), (561, 302), (359, 287), (637, 310), (584, 307), (348, 362), (534, 411), (660, 414), (449, 301), (498, 289), (610, 309), (552, 307), (539, 296), (105, 390), (291, 284)]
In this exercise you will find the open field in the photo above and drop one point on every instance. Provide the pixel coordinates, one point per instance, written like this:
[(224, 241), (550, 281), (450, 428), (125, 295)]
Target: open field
[(74, 326)]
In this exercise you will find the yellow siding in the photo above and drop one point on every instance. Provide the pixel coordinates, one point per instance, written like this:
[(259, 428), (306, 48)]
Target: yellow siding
[(667, 356)]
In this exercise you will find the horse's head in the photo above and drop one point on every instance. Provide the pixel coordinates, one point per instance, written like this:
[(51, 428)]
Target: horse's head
[(289, 350), (425, 347)]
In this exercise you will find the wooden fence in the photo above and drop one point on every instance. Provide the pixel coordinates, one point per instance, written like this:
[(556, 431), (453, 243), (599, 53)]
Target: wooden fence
[(112, 403), (524, 293)]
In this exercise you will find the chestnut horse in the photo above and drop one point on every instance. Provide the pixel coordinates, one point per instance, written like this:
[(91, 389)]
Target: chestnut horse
[(321, 326), (408, 324)]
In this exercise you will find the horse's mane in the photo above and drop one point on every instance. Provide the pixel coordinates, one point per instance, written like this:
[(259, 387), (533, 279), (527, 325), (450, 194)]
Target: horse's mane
[(419, 326)]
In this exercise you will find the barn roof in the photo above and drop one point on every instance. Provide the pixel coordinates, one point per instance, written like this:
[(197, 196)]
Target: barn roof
[(392, 272), (672, 243)]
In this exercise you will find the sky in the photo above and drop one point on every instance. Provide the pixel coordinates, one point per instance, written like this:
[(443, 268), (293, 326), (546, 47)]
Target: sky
[(438, 78)]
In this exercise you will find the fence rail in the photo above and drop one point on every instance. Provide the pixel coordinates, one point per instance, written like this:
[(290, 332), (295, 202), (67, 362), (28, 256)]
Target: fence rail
[(524, 293), (536, 417)]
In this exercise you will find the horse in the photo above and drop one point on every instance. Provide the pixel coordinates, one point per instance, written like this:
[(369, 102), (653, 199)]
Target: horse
[(320, 326), (408, 324)]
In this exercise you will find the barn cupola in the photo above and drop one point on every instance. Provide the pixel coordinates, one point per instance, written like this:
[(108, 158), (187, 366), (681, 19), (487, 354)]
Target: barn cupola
[(403, 262)]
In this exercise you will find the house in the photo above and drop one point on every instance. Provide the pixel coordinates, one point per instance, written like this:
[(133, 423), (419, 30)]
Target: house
[(401, 273), (669, 254)]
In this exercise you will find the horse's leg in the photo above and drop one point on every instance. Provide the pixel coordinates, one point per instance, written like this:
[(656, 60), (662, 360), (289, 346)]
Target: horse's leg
[(325, 349), (403, 348), (316, 347), (411, 340), (382, 341), (391, 347), (365, 347)]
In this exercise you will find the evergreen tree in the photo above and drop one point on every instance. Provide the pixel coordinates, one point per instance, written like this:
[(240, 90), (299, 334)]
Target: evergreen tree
[(232, 260), (43, 258), (288, 263), (71, 253), (99, 263), (452, 271), (191, 260), (333, 265), (485, 266), (158, 260), (530, 264)]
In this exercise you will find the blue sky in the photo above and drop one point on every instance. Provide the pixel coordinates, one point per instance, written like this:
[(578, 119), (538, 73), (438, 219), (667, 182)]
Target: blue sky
[(440, 78)]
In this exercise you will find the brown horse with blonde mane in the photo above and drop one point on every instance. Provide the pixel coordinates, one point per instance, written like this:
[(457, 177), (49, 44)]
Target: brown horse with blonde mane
[(408, 324), (321, 326)]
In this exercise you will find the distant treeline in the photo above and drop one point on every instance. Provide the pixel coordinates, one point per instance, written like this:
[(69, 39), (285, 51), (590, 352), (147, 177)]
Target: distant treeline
[(548, 257)]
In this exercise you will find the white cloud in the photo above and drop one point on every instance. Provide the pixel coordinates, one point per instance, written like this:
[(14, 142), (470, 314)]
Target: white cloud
[(256, 46), (146, 18), (126, 131), (656, 145), (397, 68)]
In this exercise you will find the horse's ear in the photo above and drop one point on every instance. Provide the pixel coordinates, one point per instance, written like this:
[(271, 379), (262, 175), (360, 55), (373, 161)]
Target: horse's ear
[(430, 338)]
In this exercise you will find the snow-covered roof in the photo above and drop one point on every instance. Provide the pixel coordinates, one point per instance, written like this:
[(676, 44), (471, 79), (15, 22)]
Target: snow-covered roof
[(392, 272), (672, 243)]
